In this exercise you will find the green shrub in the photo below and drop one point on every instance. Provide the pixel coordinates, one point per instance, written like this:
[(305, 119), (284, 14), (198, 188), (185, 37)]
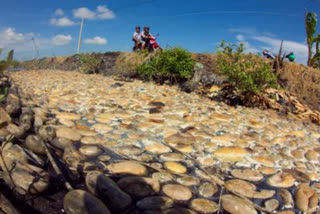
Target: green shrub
[(4, 64), (246, 72), (88, 63), (175, 64)]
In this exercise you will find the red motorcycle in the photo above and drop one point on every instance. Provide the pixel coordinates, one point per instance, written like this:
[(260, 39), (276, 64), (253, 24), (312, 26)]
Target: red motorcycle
[(153, 45)]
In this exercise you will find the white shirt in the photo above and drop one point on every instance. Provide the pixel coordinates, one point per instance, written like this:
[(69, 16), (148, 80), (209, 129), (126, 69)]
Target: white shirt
[(137, 36)]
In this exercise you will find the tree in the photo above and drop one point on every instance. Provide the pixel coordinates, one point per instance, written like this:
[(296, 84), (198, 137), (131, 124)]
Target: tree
[(312, 39)]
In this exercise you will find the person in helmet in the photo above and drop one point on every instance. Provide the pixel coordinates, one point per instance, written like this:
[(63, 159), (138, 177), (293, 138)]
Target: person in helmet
[(268, 54), (291, 57)]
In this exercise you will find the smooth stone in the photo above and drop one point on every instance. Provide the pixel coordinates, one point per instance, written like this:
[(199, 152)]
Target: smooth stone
[(207, 189), (267, 170), (247, 174), (81, 202), (184, 148), (298, 175), (4, 117), (157, 148), (139, 186), (271, 205), (286, 212), (155, 203), (306, 199), (72, 156), (90, 150), (129, 150), (175, 167), (68, 116), (127, 168), (287, 198), (67, 123), (235, 205), (266, 161), (106, 189), (281, 180), (179, 138), (172, 157), (247, 189), (104, 158), (17, 131), (177, 192), (312, 155), (203, 206), (33, 143), (67, 133), (102, 127), (231, 154), (188, 180), (60, 143), (162, 177), (47, 133), (179, 211)]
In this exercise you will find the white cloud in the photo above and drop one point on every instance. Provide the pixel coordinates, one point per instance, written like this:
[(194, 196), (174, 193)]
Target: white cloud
[(62, 22), (102, 12), (61, 39), (9, 37), (240, 37), (59, 12), (299, 49), (96, 41)]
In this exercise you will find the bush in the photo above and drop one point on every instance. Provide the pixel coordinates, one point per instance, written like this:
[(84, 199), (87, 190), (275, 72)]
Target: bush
[(126, 64), (175, 64), (4, 64), (88, 63), (246, 72)]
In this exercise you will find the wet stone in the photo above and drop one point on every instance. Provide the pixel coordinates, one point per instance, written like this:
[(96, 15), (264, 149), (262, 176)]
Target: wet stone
[(67, 133), (129, 150), (235, 205), (172, 157), (139, 186), (271, 205), (81, 202), (155, 203), (287, 198), (68, 116), (127, 167), (162, 177), (33, 143), (281, 180), (306, 199), (177, 192), (231, 154), (157, 148), (179, 211), (188, 181), (247, 174), (90, 150), (203, 206), (102, 186), (207, 189), (175, 167)]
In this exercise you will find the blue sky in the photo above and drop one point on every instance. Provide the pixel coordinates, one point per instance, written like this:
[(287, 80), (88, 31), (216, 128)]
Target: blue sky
[(198, 26)]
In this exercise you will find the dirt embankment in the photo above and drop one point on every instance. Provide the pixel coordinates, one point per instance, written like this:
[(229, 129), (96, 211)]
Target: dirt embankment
[(302, 81)]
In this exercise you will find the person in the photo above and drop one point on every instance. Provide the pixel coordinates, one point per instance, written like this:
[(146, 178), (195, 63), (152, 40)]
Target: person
[(145, 37), (291, 57), (268, 54), (137, 39)]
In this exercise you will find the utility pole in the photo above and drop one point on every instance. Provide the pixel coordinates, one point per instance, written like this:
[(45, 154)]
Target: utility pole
[(80, 36), (36, 55)]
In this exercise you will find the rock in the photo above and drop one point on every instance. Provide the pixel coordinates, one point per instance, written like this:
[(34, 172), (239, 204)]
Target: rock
[(312, 155), (286, 212), (102, 127), (231, 154), (157, 148), (104, 158), (127, 168), (298, 175), (235, 205), (281, 180), (163, 177), (3, 134), (60, 143), (247, 174), (4, 117), (207, 189), (266, 161), (267, 170), (287, 198), (172, 157), (179, 211), (90, 150), (67, 123), (81, 202), (46, 133), (129, 150), (106, 189), (139, 186), (177, 192), (175, 167), (179, 138), (67, 133), (188, 180), (271, 205), (72, 156), (155, 203), (68, 116), (33, 143), (306, 199), (13, 104), (17, 131), (26, 178), (247, 189), (204, 206)]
